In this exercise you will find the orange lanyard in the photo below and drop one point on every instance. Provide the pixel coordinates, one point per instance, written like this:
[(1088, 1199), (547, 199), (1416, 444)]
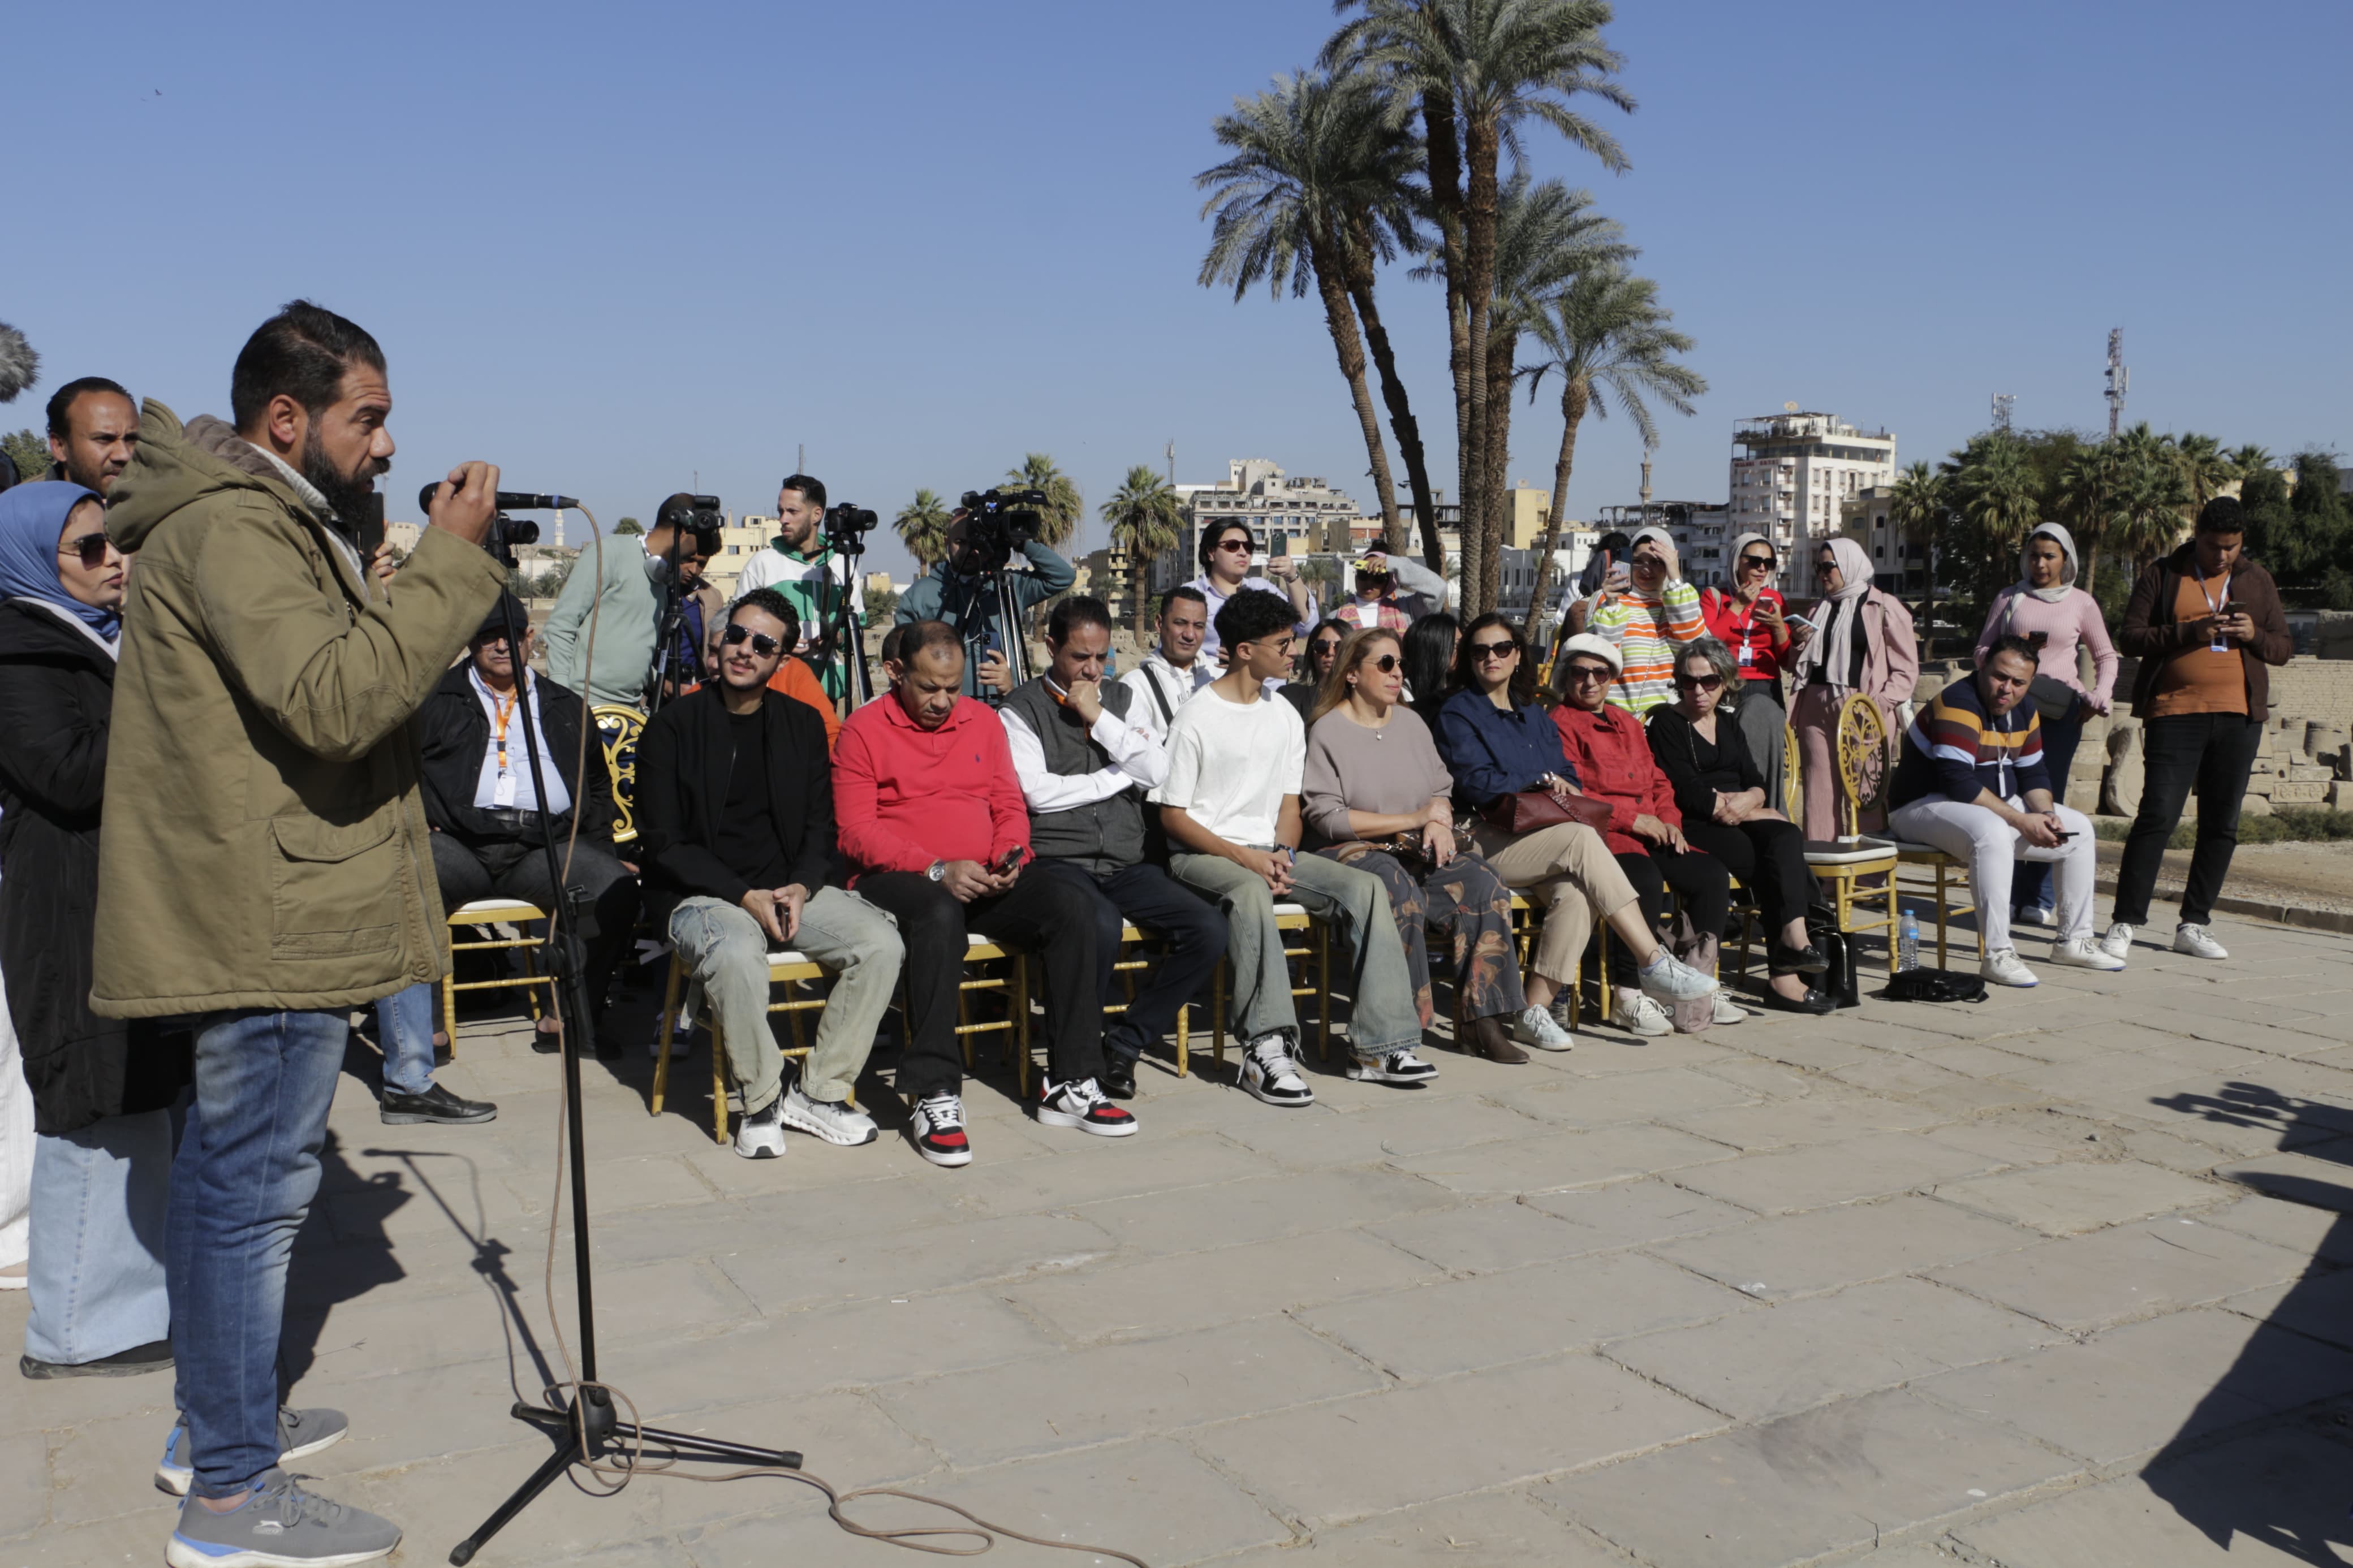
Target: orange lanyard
[(505, 712)]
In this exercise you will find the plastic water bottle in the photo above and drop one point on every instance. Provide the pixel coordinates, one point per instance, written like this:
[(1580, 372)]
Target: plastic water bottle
[(1908, 945)]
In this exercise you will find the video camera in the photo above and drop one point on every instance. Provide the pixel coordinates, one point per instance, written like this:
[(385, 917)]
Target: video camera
[(846, 528), (998, 522), (705, 517)]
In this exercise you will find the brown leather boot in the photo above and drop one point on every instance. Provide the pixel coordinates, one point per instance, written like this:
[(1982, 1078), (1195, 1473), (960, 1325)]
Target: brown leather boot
[(1490, 1040)]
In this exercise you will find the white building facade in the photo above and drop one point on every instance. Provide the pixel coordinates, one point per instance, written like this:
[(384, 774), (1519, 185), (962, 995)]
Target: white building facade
[(1300, 512), (1792, 476)]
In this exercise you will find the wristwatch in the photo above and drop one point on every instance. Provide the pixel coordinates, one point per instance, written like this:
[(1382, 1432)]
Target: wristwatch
[(938, 872)]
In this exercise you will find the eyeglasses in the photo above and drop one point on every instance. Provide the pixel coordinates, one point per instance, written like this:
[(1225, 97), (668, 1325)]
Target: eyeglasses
[(1483, 651), (1387, 663), (1699, 682), (1241, 544), (762, 643), (1748, 561), (91, 548), (1579, 674)]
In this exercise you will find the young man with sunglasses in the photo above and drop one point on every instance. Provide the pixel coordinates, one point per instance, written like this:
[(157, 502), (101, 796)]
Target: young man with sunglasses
[(735, 821), (1230, 806)]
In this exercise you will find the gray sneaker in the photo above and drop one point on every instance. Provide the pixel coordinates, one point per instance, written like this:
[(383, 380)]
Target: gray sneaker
[(278, 1525), (300, 1432)]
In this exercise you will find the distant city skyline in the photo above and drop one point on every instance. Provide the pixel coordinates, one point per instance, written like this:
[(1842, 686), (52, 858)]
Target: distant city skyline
[(607, 249)]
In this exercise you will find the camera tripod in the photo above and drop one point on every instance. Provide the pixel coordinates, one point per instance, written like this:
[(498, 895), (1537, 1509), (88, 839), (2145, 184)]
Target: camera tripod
[(847, 623), (590, 1426), (667, 625)]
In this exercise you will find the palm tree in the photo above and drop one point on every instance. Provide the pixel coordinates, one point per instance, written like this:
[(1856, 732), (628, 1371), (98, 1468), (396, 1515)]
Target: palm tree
[(1993, 489), (2203, 465), (2088, 486), (1478, 70), (2249, 460), (1063, 505), (1283, 204), (922, 525), (1917, 506), (1605, 333), (1144, 516), (2153, 496)]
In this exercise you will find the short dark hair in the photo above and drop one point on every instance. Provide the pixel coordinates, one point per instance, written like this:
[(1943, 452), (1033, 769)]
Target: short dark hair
[(918, 637), (1217, 531), (61, 401), (2010, 642), (1464, 677), (1253, 614), (1071, 614), (890, 641), (2223, 514), (811, 490), (1182, 591), (768, 602), (300, 352)]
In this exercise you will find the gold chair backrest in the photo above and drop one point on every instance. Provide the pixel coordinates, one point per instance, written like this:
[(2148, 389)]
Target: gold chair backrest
[(618, 726), (1862, 759), (1793, 784)]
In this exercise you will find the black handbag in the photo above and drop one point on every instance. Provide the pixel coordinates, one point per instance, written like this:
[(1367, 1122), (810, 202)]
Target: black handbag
[(1930, 984)]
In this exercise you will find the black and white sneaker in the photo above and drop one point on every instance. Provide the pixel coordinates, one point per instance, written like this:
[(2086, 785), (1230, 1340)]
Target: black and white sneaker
[(835, 1121), (937, 1127), (1083, 1105), (1398, 1066), (1269, 1072), (761, 1135)]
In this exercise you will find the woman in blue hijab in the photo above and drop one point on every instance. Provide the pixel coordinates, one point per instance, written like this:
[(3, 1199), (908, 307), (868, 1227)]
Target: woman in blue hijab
[(103, 1088)]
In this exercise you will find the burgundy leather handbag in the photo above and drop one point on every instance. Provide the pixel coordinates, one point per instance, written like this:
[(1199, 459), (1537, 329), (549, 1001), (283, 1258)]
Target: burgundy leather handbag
[(1530, 809)]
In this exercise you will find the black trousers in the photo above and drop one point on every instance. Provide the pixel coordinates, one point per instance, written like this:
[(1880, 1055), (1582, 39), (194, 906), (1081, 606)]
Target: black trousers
[(1156, 903), (1046, 916), (2215, 753), (508, 869), (1770, 858), (1700, 879)]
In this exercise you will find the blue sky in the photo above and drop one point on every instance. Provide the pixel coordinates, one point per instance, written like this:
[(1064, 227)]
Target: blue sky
[(611, 248)]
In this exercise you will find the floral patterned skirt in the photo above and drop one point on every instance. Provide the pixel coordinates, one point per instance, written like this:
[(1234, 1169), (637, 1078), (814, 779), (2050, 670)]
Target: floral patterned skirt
[(1470, 902)]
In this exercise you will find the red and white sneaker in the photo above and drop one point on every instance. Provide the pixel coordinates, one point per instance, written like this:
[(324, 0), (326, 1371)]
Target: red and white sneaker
[(937, 1127), (1083, 1105)]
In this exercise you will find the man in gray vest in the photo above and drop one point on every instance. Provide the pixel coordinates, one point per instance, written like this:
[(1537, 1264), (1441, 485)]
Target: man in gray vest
[(1084, 765)]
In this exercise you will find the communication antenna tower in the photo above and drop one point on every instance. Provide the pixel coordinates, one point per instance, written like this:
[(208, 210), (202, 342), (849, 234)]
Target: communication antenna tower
[(2003, 402), (2119, 380), (1171, 461)]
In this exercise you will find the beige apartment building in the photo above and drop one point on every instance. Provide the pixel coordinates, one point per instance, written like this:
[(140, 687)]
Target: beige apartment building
[(1792, 475)]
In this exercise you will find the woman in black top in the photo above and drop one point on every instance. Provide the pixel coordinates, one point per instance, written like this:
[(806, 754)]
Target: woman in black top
[(1722, 798), (1323, 648)]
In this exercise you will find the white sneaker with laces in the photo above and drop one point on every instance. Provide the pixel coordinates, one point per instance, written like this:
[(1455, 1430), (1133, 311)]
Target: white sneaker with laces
[(1534, 1026), (2082, 952), (1669, 980), (1082, 1105), (2197, 941), (1270, 1074), (761, 1136), (1637, 1015), (2033, 915), (937, 1127), (1398, 1066), (1727, 1011), (836, 1122), (2118, 942), (2000, 965)]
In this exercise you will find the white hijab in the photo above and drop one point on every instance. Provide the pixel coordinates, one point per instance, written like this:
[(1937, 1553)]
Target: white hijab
[(2067, 543), (1833, 649)]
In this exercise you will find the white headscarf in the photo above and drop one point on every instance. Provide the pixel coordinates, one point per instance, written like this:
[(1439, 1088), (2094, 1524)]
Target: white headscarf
[(1732, 566), (2067, 543), (1833, 649)]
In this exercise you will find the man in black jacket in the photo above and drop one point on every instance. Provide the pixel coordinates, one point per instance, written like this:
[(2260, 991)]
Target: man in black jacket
[(480, 801), (735, 809)]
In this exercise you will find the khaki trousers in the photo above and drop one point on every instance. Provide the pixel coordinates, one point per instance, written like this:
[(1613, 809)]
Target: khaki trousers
[(1569, 867)]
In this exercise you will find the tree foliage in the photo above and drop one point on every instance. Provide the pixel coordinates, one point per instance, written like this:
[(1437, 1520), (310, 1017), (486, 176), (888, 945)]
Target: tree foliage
[(630, 526), (922, 526), (29, 450), (1145, 519), (1063, 506)]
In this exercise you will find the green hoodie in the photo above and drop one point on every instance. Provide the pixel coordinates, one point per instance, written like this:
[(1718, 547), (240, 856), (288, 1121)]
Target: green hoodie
[(265, 840)]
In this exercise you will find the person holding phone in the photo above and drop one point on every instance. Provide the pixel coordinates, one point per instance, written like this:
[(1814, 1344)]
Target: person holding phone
[(1654, 613), (1748, 616), (1226, 550), (1974, 783), (934, 821)]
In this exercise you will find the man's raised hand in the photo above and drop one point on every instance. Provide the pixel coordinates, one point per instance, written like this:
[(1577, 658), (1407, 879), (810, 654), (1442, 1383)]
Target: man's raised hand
[(467, 502)]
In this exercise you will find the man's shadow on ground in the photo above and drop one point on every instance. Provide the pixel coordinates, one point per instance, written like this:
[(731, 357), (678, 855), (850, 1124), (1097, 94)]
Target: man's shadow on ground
[(2295, 1496)]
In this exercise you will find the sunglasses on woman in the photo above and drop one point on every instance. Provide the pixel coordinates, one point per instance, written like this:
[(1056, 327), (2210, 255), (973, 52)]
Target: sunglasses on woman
[(1579, 674), (1483, 651), (1699, 682), (1387, 663), (1748, 561), (762, 643), (90, 548), (1241, 545)]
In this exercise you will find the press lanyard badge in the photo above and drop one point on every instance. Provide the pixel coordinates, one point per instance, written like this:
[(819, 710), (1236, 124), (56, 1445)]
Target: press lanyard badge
[(2221, 643), (502, 788)]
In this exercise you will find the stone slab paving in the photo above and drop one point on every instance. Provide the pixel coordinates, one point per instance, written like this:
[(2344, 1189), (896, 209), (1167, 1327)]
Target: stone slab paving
[(2062, 1280)]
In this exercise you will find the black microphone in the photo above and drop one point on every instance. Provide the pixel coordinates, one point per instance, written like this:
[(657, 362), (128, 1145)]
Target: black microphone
[(508, 500)]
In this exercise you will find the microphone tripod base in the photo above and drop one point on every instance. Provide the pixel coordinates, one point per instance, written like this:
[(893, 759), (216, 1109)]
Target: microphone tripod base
[(606, 1434)]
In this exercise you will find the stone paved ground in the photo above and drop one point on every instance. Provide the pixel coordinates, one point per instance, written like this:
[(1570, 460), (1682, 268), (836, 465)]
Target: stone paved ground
[(2053, 1282)]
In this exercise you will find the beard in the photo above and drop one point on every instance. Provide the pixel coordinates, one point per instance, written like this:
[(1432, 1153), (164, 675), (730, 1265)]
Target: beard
[(348, 495)]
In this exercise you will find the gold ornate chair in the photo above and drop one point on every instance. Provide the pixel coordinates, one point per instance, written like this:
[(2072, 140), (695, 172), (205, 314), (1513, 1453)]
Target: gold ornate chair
[(491, 912), (619, 729), (1846, 864)]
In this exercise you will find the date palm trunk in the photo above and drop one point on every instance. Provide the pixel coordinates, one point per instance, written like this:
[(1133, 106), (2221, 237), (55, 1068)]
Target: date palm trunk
[(1502, 348), (1445, 153), (1340, 315), (1575, 397), (1359, 266), (1481, 147)]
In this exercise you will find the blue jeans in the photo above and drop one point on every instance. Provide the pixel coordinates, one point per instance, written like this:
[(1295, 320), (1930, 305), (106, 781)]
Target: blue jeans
[(404, 1028), (97, 1269), (248, 1169)]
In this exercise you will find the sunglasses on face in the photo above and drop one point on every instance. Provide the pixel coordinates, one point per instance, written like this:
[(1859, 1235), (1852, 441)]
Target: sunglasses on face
[(1387, 663), (1699, 682), (1241, 545), (1748, 561), (89, 549), (1579, 674), (1483, 651), (762, 643)]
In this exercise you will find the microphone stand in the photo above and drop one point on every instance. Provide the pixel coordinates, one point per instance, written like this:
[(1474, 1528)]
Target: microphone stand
[(590, 1426)]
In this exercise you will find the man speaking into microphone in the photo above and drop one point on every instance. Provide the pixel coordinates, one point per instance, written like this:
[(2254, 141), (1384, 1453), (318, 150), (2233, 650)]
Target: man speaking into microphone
[(265, 867)]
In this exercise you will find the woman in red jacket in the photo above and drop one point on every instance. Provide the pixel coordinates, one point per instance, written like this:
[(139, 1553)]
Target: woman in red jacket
[(1611, 753)]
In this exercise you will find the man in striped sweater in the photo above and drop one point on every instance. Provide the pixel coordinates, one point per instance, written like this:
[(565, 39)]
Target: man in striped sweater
[(1648, 617), (1973, 784)]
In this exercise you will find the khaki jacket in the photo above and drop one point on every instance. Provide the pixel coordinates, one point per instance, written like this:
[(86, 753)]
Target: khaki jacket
[(265, 835)]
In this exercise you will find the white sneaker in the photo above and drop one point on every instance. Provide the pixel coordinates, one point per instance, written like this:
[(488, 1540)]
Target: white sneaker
[(1270, 1074), (2001, 966), (1669, 980), (836, 1122), (1534, 1026), (1398, 1066), (2197, 941), (937, 1127), (761, 1136), (1637, 1015), (1728, 1011), (2082, 952), (1082, 1105), (2118, 942), (2033, 915)]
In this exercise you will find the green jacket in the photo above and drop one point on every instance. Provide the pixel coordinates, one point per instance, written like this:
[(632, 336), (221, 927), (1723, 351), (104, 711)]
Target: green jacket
[(264, 838), (613, 584)]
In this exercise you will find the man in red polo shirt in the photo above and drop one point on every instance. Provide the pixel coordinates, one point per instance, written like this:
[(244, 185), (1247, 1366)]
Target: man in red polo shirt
[(930, 814)]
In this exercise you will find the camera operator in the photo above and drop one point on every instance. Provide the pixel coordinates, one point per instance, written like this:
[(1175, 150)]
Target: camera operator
[(962, 591), (801, 564), (265, 867), (626, 596)]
